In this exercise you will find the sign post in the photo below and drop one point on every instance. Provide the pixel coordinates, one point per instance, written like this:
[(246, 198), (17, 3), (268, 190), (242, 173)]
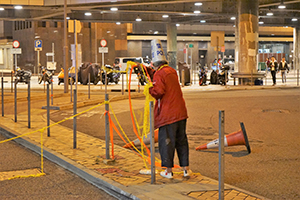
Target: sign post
[(217, 40), (103, 50), (38, 47), (16, 45)]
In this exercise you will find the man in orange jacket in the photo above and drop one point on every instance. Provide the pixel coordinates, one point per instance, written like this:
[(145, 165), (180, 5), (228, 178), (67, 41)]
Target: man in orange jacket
[(170, 113)]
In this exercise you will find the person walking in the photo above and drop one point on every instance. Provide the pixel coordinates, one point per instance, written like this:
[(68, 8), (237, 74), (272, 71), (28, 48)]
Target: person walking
[(170, 113), (283, 66), (267, 64), (273, 65)]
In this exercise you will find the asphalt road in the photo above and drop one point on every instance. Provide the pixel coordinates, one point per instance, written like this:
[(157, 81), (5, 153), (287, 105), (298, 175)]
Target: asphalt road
[(58, 183), (271, 118)]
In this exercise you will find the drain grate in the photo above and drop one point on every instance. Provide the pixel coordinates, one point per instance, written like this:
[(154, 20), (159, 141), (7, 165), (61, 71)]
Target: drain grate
[(276, 111)]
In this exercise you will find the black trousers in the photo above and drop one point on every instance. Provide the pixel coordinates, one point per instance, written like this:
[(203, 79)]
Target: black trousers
[(171, 137), (273, 76)]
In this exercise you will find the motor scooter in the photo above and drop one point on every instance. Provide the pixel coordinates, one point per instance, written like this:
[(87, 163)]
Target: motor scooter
[(45, 75), (71, 75), (223, 75), (140, 74), (22, 75), (202, 76), (112, 75)]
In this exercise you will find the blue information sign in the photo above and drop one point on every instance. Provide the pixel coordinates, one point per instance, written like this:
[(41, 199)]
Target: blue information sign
[(38, 45)]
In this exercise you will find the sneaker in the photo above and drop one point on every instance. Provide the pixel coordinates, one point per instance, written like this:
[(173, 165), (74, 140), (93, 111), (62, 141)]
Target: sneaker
[(165, 174), (187, 173)]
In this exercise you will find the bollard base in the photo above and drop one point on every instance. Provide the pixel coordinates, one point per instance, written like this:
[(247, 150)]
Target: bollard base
[(109, 161)]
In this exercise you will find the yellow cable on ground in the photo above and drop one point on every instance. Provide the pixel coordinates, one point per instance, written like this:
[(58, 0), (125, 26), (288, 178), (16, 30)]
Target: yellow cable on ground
[(33, 175), (143, 156)]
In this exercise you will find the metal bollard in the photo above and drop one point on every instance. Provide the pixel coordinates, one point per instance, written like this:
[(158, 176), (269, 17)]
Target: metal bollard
[(182, 78), (52, 91), (48, 111), (15, 100), (105, 82), (11, 82), (251, 78), (221, 154), (297, 77), (44, 81), (71, 80), (89, 88), (107, 135), (122, 84), (75, 120), (28, 100), (152, 143), (2, 95)]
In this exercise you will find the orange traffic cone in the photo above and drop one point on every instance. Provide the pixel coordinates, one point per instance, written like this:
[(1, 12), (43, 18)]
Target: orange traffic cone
[(146, 141), (236, 138)]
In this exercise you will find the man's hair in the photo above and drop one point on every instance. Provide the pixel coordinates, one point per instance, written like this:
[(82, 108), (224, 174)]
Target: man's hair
[(159, 63)]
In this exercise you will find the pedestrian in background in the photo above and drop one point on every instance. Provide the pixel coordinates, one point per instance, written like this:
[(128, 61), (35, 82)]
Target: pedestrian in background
[(170, 113), (267, 64), (273, 65), (283, 66)]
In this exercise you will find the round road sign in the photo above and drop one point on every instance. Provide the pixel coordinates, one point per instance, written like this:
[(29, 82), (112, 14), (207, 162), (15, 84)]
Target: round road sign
[(103, 43), (16, 44)]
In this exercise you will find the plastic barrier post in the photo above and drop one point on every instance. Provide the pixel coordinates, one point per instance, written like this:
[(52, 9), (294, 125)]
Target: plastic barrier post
[(107, 135), (15, 100), (221, 154), (2, 95), (28, 100), (75, 120), (48, 111), (152, 143)]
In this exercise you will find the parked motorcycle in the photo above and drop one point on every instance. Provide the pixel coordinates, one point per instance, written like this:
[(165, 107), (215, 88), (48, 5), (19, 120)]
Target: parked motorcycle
[(61, 76), (45, 75), (112, 75), (140, 74), (223, 75), (202, 76), (22, 75)]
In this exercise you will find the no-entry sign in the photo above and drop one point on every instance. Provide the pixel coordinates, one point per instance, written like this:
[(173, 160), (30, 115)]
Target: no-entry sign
[(16, 44), (103, 43)]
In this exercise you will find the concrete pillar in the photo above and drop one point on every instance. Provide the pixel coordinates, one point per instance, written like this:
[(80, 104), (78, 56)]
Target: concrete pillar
[(296, 48), (247, 41), (248, 35), (172, 45)]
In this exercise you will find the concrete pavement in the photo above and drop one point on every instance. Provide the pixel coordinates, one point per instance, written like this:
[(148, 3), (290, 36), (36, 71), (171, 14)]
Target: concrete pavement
[(120, 178)]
